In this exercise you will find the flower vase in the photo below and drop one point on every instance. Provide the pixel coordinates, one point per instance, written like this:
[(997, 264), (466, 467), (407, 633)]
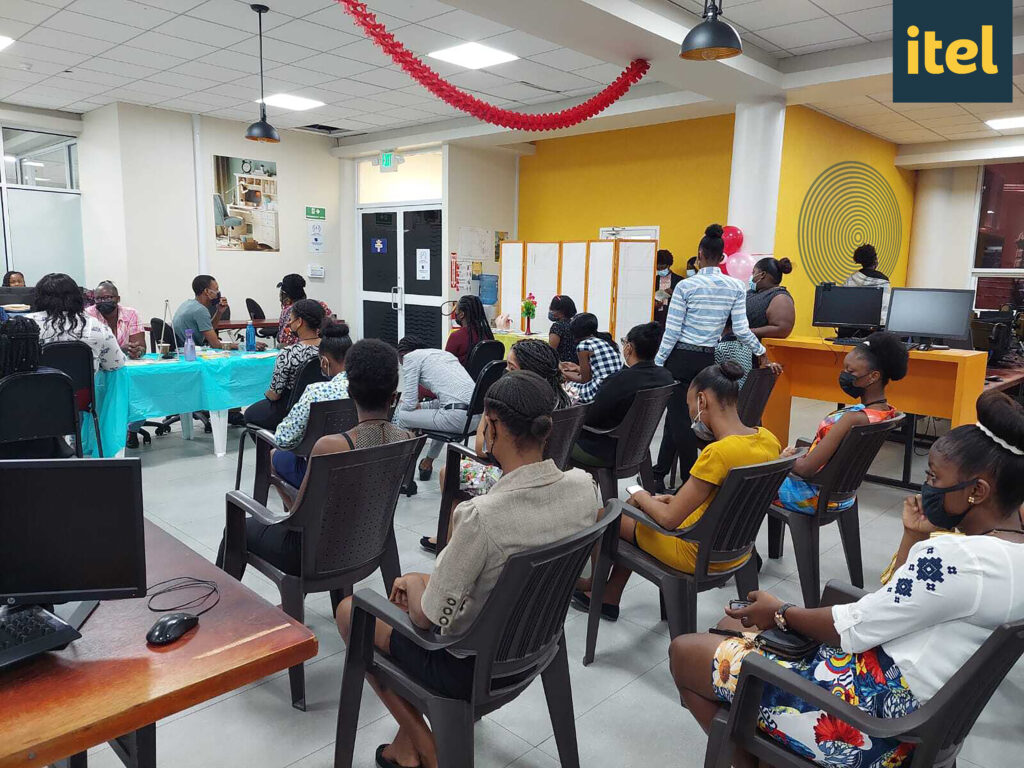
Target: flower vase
[(528, 331)]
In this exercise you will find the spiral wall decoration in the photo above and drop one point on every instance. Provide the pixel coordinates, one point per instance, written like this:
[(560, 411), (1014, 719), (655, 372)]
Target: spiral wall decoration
[(848, 205)]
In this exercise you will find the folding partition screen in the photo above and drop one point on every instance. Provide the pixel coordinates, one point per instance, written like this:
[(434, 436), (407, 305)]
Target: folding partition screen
[(542, 280)]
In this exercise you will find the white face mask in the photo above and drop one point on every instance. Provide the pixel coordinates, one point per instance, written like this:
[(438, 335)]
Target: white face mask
[(664, 272), (700, 429)]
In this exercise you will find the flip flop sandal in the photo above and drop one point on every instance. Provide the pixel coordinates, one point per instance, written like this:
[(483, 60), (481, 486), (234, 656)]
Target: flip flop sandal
[(383, 762)]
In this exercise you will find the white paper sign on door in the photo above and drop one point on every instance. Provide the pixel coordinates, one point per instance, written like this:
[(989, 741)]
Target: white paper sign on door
[(422, 263), (315, 233)]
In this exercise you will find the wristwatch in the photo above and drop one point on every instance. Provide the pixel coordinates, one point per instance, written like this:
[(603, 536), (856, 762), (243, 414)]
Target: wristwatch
[(780, 616)]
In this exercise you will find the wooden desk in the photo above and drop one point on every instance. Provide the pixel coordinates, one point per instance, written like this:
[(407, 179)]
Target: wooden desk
[(942, 383), (1011, 377), (110, 682)]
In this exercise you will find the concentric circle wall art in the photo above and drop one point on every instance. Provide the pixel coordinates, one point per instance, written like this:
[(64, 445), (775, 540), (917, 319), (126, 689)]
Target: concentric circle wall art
[(848, 205)]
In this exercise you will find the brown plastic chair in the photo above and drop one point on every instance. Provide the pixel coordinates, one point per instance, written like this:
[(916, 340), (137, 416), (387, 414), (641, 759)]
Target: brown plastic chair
[(754, 395), (345, 515), (516, 638), (725, 532), (75, 359), (565, 430), (838, 480), (35, 405), (937, 729), (633, 442), (482, 353)]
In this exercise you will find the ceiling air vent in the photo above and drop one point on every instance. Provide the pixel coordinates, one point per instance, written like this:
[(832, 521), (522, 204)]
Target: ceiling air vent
[(327, 130)]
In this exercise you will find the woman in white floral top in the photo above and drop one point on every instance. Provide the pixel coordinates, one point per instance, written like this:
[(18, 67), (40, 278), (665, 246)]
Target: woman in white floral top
[(61, 317)]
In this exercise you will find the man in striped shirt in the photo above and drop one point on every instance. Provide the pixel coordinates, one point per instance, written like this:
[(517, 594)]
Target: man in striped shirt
[(697, 315)]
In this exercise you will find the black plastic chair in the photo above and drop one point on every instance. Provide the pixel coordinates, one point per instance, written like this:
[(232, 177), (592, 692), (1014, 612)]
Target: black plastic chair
[(633, 442), (309, 373), (482, 353), (725, 532), (345, 516), (565, 430), (837, 481), (516, 638), (937, 729), (490, 374), (754, 395), (256, 313), (36, 405), (75, 359)]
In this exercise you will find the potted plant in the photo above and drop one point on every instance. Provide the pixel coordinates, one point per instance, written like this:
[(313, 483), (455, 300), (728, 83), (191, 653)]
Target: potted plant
[(529, 310)]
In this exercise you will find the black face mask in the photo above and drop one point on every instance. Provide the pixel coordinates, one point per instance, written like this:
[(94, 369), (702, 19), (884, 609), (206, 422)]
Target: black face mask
[(106, 307), (847, 383), (933, 504), (487, 448)]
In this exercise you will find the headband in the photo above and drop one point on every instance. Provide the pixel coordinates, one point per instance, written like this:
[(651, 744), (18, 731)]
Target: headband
[(999, 441)]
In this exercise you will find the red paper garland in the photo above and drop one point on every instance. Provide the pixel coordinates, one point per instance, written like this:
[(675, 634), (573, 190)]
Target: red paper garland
[(489, 113)]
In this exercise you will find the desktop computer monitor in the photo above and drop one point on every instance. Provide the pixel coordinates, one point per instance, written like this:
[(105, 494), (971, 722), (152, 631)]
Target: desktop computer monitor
[(71, 529), (852, 307), (931, 313)]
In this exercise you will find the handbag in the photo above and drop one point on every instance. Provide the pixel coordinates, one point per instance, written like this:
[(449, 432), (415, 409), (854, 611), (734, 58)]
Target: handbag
[(785, 644)]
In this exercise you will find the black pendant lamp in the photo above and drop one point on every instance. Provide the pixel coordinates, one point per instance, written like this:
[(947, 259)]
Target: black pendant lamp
[(261, 130), (712, 38)]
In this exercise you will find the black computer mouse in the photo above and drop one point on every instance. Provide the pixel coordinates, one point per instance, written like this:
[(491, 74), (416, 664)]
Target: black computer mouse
[(170, 627)]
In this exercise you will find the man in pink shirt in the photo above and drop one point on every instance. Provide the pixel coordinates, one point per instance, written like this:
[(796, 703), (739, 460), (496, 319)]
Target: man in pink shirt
[(123, 321)]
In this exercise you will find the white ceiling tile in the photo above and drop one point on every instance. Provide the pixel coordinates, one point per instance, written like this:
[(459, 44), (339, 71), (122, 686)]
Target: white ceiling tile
[(566, 59), (82, 107), (162, 90), (301, 32), (215, 100), (438, 107), (410, 10), (175, 6), (978, 134), (348, 87), (8, 74), (125, 11), (117, 68), (385, 78), (81, 87), (424, 40), (54, 3), (869, 21), (466, 25), (845, 6), (236, 115), (364, 105), (878, 37), (175, 46), (207, 71), (90, 26), (248, 87), (532, 73), (335, 65), (274, 50), (299, 8), (762, 14), (40, 57), (54, 38), (187, 105), (199, 31), (238, 16), (335, 18), (299, 75), (406, 113), (520, 43), (378, 119), (54, 95), (946, 123), (25, 11), (181, 80), (403, 98), (234, 60), (82, 75), (134, 95), (804, 33), (846, 42), (128, 54), (365, 51), (517, 92), (478, 80), (924, 111), (602, 73)]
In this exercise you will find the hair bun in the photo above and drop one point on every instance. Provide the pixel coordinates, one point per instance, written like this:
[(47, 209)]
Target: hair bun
[(714, 230), (785, 265), (540, 426), (334, 328), (732, 371), (1003, 416)]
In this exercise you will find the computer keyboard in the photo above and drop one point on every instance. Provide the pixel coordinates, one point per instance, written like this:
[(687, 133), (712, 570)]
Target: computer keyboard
[(27, 632), (844, 341)]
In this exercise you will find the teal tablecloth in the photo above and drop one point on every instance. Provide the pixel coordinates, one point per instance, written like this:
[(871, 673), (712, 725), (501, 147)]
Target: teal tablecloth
[(152, 390)]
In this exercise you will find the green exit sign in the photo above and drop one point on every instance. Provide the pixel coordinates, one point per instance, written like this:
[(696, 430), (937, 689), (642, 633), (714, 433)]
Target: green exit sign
[(387, 160), (315, 213)]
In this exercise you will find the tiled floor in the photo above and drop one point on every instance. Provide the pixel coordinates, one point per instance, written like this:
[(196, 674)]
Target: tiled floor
[(628, 711)]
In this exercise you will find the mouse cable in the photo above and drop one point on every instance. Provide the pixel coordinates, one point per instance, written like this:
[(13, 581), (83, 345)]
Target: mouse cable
[(178, 583)]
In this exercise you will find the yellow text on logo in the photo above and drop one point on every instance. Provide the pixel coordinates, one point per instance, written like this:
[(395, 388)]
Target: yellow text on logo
[(960, 55)]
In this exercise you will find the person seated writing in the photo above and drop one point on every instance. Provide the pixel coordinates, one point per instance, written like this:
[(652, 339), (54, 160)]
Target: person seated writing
[(890, 652), (473, 328), (335, 344), (867, 369), (306, 318), (194, 315), (616, 394), (599, 357), (62, 317), (712, 399), (533, 504)]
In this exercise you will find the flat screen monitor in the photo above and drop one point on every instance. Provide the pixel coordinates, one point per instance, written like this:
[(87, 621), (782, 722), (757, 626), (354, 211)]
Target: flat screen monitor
[(10, 295), (71, 529), (853, 307), (930, 313)]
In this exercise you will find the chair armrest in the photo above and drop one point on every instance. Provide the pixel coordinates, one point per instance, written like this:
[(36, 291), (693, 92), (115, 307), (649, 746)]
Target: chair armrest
[(839, 593), (760, 668), (246, 503), (380, 607), (469, 453), (266, 436), (628, 510), (803, 442), (598, 431)]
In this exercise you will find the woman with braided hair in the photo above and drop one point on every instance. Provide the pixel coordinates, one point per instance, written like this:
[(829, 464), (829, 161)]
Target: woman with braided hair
[(533, 505), (473, 328)]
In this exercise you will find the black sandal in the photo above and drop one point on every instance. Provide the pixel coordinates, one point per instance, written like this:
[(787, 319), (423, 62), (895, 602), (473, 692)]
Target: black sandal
[(383, 762), (425, 473), (581, 602), (428, 545)]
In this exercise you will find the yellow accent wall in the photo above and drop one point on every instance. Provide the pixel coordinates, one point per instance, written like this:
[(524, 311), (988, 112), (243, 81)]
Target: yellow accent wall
[(812, 143), (675, 175)]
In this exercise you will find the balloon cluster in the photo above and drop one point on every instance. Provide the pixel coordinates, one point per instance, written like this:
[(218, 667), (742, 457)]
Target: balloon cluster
[(425, 76), (737, 263)]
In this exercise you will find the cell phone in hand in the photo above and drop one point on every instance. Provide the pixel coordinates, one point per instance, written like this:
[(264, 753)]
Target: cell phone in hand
[(735, 605), (631, 489)]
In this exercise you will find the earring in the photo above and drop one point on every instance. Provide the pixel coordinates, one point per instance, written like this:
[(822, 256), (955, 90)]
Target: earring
[(970, 499)]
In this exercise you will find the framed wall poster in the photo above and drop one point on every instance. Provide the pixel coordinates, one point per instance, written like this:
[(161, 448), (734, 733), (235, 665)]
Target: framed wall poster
[(245, 205)]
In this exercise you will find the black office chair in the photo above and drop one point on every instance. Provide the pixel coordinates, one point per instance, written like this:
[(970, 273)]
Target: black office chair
[(160, 332), (256, 313), (754, 395), (482, 353), (75, 359), (37, 411)]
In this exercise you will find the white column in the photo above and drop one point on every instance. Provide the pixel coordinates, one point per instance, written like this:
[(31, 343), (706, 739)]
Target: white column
[(945, 229), (754, 179)]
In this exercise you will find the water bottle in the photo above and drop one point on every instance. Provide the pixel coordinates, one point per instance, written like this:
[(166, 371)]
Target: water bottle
[(190, 346), (250, 337)]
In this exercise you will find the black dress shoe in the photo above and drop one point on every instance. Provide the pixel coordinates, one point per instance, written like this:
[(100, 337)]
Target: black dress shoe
[(410, 489), (425, 473), (582, 602), (428, 545), (132, 441)]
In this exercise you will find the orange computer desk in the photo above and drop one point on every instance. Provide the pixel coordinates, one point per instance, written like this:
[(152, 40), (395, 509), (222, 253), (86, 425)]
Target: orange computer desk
[(942, 383)]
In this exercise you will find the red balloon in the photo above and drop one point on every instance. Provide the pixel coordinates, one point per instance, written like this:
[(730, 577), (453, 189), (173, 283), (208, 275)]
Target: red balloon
[(724, 265), (733, 237)]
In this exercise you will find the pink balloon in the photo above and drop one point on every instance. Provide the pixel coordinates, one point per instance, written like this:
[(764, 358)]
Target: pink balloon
[(741, 265), (733, 237)]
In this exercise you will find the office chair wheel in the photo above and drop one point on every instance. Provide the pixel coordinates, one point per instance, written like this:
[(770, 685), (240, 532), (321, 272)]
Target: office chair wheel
[(146, 439), (163, 429), (207, 429)]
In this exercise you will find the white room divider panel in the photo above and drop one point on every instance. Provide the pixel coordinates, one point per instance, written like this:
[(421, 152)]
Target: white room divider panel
[(574, 272), (511, 293), (542, 280), (600, 279), (634, 295)]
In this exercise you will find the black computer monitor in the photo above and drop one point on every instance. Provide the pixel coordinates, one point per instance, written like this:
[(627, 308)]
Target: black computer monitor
[(853, 307), (9, 295), (930, 313), (71, 529)]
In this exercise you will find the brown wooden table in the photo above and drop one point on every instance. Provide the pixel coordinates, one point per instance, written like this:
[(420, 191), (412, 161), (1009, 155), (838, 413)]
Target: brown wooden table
[(1011, 377), (111, 683)]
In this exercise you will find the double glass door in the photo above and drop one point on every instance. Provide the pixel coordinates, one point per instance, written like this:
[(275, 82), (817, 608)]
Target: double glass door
[(403, 283)]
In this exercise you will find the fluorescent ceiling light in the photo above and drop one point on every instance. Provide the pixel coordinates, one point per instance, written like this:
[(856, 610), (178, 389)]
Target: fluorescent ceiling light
[(1005, 123), (40, 178), (5, 41), (287, 101), (473, 56), (33, 163)]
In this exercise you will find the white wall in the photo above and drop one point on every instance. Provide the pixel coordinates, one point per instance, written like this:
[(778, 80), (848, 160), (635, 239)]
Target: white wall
[(945, 227)]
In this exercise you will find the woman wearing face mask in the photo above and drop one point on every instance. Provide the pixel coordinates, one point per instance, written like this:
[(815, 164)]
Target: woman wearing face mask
[(867, 369), (711, 400), (664, 283), (771, 312), (892, 650), (473, 328), (560, 313)]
